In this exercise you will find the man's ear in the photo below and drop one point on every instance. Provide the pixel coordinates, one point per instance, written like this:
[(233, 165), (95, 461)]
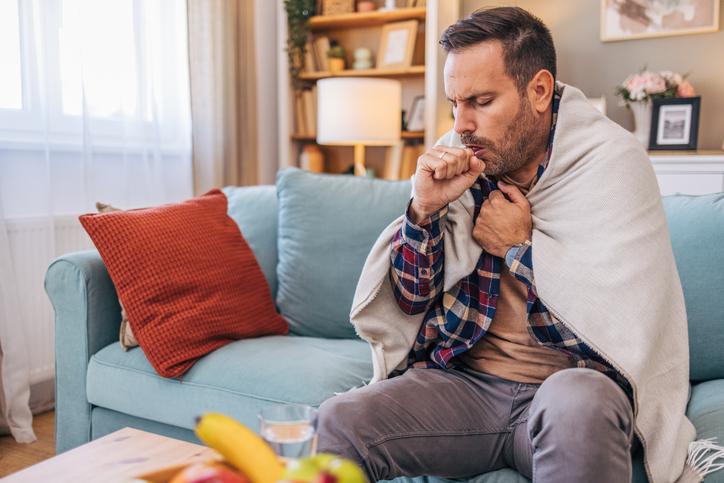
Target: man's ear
[(540, 90)]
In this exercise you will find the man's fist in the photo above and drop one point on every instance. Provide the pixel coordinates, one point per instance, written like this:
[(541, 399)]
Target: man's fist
[(502, 223), (442, 176)]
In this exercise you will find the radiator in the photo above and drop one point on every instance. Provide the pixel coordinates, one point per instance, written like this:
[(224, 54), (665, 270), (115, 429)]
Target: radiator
[(34, 243)]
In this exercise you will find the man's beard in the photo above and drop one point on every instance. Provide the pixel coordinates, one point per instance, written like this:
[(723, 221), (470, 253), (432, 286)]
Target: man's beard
[(522, 141)]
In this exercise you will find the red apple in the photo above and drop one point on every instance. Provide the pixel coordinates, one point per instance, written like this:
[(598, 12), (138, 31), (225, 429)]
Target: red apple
[(209, 473)]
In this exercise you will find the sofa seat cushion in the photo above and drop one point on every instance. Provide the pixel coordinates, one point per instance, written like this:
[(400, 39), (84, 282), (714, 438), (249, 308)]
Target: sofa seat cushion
[(238, 379), (706, 411)]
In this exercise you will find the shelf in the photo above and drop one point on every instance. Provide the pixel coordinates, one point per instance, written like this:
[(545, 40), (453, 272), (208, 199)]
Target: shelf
[(404, 72), (403, 135), (304, 137), (365, 19), (413, 134)]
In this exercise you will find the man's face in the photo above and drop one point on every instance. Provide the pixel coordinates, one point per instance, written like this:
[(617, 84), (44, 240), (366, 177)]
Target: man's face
[(491, 115)]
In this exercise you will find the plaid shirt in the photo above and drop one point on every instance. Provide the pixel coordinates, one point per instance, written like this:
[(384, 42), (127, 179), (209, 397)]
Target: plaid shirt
[(457, 319)]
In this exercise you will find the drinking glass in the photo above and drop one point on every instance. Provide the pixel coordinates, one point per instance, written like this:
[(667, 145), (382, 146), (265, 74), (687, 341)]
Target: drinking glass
[(290, 429)]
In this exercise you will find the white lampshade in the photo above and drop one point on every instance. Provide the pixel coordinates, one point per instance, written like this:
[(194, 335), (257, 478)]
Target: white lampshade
[(358, 110)]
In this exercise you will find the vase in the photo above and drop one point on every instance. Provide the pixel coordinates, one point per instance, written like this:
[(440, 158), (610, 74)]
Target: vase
[(642, 121)]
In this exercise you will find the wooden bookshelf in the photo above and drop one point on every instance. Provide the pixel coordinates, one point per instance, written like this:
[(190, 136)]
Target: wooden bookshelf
[(364, 29), (366, 19), (414, 70)]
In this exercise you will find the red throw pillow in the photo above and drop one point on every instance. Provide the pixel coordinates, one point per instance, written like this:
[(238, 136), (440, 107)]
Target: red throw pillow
[(187, 278)]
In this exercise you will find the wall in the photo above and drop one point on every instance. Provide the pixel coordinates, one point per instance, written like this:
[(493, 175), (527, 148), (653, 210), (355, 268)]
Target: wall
[(597, 67)]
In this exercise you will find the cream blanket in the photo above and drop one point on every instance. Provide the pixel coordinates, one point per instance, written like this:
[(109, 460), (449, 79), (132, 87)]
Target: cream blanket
[(603, 265)]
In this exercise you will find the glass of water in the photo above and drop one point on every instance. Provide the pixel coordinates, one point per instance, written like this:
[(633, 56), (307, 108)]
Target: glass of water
[(290, 429)]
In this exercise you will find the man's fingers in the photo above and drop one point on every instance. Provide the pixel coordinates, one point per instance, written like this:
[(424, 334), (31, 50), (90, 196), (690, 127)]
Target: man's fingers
[(515, 195)]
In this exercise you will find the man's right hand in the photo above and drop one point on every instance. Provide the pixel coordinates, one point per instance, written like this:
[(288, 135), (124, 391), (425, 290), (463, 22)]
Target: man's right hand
[(442, 176)]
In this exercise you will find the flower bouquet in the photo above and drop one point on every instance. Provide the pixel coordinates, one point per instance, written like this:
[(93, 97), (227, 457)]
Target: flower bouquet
[(637, 91)]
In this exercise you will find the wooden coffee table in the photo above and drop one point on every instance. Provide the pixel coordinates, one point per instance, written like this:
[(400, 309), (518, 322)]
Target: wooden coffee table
[(117, 457)]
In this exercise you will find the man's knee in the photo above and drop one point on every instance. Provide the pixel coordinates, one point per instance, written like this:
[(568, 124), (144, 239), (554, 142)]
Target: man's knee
[(340, 423), (582, 398)]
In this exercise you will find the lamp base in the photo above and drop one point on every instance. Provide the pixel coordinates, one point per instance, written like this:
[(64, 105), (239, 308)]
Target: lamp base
[(359, 160)]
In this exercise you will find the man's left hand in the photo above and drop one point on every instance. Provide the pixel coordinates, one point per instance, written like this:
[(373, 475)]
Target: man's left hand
[(502, 223)]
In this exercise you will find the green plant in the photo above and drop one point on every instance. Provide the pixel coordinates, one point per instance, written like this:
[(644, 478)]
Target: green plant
[(298, 14), (335, 51)]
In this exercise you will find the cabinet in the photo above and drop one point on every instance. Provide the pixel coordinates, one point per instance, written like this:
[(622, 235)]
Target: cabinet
[(689, 172), (353, 30)]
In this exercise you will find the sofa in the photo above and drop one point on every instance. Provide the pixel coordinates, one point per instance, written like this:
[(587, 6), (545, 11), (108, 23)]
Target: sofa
[(311, 234)]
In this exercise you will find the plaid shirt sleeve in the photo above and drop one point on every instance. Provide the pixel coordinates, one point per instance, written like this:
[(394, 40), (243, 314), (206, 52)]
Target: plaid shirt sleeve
[(416, 268), (519, 259)]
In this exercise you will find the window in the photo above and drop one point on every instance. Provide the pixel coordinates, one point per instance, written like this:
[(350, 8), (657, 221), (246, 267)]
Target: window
[(11, 93), (118, 64)]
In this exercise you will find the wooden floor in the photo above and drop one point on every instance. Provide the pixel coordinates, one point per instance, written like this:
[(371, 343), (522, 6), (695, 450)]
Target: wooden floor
[(14, 457)]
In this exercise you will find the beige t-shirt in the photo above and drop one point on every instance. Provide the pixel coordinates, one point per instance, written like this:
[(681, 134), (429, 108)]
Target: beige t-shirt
[(508, 350)]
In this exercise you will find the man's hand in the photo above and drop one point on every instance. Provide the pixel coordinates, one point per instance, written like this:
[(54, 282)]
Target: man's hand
[(442, 176), (502, 223)]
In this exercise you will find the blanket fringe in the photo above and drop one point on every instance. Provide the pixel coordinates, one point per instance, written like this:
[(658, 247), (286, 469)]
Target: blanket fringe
[(704, 457)]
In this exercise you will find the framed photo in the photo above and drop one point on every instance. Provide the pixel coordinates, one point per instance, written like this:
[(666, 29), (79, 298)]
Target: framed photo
[(397, 44), (638, 19), (416, 117), (674, 123)]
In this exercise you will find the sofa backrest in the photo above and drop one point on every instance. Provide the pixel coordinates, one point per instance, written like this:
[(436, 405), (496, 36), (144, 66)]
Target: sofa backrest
[(327, 226), (696, 226), (254, 209)]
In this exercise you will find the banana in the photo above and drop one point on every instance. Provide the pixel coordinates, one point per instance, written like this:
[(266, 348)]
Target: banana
[(240, 446)]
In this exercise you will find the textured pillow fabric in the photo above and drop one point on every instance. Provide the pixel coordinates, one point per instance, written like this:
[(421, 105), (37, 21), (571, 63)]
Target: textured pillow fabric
[(186, 277), (125, 333), (327, 226)]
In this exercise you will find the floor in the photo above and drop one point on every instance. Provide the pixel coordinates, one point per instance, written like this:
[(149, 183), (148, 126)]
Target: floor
[(14, 457)]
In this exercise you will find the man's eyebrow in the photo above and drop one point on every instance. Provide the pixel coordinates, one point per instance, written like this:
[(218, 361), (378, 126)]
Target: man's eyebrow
[(476, 95)]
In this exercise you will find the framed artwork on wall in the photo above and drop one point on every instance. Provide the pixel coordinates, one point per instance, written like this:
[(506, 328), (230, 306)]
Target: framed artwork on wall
[(638, 19), (674, 123), (397, 44)]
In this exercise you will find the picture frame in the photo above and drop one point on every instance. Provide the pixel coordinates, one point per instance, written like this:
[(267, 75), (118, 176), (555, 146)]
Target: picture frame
[(674, 123), (639, 19), (416, 116), (397, 44)]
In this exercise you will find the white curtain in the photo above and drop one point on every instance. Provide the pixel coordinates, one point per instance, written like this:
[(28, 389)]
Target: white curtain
[(94, 106)]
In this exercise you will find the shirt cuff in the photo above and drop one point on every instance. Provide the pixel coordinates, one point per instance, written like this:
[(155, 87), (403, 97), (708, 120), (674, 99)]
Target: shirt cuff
[(519, 259), (425, 235)]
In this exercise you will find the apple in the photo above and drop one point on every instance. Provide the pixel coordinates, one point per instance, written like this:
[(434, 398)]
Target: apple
[(209, 473), (324, 468)]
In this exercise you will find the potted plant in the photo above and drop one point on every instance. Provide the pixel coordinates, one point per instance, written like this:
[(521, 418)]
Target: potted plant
[(298, 14), (335, 56)]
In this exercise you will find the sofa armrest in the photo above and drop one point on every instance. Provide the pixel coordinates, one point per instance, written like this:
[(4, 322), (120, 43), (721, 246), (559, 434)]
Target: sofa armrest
[(87, 318)]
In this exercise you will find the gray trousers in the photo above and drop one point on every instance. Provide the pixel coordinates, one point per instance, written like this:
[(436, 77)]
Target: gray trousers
[(576, 426)]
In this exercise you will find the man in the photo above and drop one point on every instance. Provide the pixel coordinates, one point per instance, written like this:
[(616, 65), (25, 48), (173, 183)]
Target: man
[(492, 376)]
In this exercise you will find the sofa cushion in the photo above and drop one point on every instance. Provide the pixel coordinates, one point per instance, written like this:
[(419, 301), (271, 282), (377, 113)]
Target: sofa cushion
[(327, 226), (254, 209), (696, 225), (238, 379)]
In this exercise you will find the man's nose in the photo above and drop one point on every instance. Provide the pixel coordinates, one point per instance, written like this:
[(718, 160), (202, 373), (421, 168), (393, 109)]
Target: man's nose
[(464, 120)]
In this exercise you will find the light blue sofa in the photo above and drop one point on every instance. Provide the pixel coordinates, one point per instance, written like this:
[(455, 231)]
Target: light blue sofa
[(311, 235)]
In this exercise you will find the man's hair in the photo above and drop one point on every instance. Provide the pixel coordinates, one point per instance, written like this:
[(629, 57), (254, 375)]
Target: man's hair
[(527, 42)]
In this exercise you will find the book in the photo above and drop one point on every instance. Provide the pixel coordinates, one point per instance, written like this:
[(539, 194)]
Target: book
[(321, 47), (310, 111), (310, 65), (299, 117)]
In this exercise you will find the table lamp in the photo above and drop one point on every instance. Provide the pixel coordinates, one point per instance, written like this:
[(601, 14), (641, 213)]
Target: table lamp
[(359, 112)]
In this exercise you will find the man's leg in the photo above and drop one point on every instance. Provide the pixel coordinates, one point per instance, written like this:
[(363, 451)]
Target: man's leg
[(579, 428), (424, 422)]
